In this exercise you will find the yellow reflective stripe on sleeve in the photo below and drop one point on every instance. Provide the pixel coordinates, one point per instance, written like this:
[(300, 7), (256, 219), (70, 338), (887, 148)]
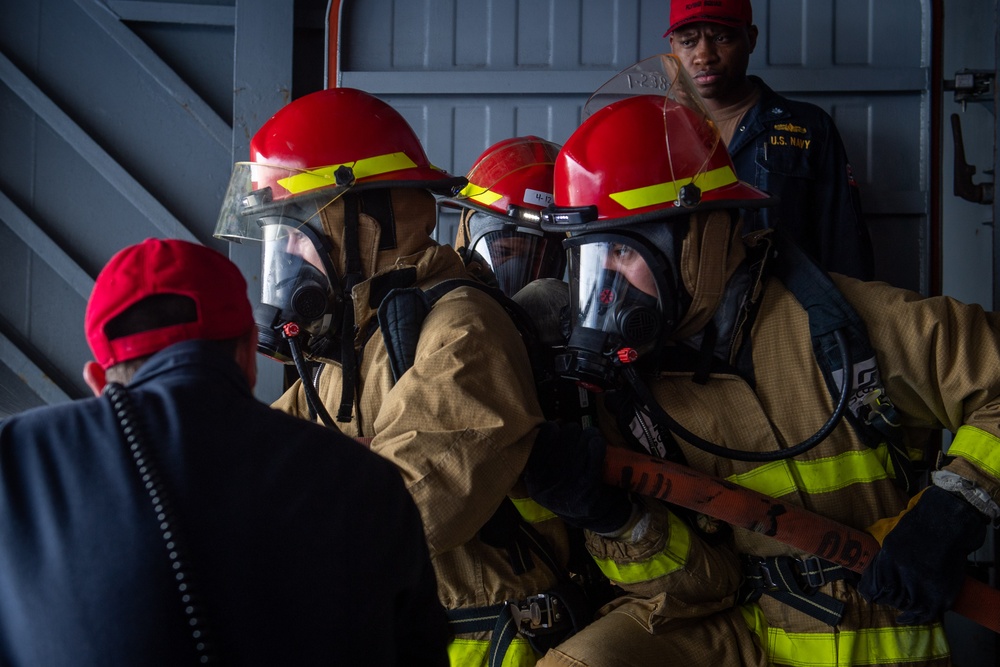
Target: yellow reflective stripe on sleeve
[(661, 193), (475, 653), (312, 179), (480, 194), (979, 447), (672, 558), (819, 475), (912, 644), (531, 511)]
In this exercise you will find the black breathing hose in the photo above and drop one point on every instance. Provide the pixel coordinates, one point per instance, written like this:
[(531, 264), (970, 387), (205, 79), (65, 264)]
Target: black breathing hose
[(658, 413)]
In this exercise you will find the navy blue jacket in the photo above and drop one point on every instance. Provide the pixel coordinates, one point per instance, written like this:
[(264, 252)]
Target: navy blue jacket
[(793, 151), (306, 547)]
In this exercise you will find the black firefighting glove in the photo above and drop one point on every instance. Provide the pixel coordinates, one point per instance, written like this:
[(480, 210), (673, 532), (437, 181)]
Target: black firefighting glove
[(921, 566), (564, 475)]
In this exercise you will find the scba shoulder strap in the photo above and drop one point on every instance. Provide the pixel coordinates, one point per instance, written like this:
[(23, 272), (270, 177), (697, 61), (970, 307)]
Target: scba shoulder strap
[(870, 411), (402, 312)]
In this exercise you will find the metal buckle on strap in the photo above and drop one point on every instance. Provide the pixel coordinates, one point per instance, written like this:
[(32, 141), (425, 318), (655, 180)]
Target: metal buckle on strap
[(765, 575), (811, 570), (538, 615)]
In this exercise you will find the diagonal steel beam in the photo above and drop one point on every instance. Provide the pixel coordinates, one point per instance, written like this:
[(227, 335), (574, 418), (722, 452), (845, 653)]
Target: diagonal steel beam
[(32, 376), (90, 151)]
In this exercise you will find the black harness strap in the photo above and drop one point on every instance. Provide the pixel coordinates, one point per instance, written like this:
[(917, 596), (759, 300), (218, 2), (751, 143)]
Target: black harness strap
[(401, 316), (794, 581), (544, 620), (401, 321)]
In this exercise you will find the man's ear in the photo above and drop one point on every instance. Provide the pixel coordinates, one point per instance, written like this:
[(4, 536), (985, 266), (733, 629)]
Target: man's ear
[(246, 355), (752, 37), (94, 376)]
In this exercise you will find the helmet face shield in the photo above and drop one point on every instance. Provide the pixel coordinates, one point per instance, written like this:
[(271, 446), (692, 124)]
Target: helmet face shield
[(256, 190), (662, 75), (620, 305)]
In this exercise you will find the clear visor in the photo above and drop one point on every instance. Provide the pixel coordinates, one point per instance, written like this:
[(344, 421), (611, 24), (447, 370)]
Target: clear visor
[(517, 257), (256, 190), (685, 158), (611, 285), (662, 75), (685, 117)]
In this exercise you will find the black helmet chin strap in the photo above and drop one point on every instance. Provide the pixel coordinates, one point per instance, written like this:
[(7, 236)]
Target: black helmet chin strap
[(352, 276)]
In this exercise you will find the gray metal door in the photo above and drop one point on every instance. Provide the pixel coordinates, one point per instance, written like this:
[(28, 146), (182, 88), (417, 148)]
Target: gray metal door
[(467, 74)]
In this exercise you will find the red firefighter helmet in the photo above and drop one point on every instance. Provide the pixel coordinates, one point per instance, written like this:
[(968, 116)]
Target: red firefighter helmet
[(641, 156), (513, 172), (323, 144)]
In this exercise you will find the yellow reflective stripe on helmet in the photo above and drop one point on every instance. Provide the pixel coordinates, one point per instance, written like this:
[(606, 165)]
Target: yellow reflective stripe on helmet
[(480, 194), (475, 653), (977, 446), (672, 558), (531, 511), (912, 644), (819, 475), (650, 195), (312, 179)]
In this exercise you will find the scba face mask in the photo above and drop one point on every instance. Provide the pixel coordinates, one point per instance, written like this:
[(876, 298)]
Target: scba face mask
[(297, 292), (516, 254), (621, 306)]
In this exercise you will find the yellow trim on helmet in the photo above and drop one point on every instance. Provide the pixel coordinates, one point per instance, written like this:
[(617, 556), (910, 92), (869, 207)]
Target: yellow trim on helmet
[(480, 194), (661, 193), (313, 179)]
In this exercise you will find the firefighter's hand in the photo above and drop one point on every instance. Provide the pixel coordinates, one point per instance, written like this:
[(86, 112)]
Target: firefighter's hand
[(921, 566), (564, 474)]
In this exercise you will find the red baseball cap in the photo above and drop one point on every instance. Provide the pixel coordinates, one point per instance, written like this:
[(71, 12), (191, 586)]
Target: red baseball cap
[(734, 13), (166, 266)]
